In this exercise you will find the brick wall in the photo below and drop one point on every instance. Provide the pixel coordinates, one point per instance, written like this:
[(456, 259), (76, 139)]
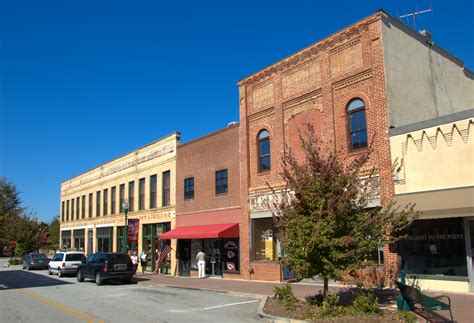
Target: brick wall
[(328, 74)]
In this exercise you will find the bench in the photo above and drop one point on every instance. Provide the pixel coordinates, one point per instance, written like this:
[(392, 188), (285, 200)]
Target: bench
[(424, 305)]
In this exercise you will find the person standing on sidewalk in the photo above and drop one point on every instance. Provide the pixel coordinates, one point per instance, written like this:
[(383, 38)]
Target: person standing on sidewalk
[(134, 259), (201, 261), (143, 261)]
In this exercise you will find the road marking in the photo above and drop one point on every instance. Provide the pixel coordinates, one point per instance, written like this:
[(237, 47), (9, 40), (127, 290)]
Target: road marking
[(116, 295), (231, 304), (83, 316)]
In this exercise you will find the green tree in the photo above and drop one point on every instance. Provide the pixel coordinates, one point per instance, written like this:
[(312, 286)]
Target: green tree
[(25, 230), (10, 206), (325, 225), (53, 233)]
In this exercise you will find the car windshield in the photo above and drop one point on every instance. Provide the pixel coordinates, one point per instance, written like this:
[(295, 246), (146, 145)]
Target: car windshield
[(38, 256), (75, 257), (118, 257)]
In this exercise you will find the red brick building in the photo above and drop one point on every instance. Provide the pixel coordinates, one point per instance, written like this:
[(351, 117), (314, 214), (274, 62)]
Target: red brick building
[(353, 86), (208, 208)]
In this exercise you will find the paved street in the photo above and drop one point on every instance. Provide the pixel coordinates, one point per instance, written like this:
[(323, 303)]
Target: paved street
[(36, 296)]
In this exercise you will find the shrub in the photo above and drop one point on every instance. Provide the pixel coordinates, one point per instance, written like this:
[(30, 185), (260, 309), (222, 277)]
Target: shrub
[(408, 317), (285, 296), (315, 300), (15, 261), (365, 303)]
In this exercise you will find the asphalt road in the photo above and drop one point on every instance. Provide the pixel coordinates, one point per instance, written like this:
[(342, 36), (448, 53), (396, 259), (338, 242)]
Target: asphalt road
[(34, 296)]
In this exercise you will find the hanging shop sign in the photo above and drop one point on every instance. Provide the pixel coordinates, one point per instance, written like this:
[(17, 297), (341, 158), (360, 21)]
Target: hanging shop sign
[(132, 230)]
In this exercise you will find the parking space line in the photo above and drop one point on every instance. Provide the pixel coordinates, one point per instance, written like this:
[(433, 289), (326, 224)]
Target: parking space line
[(83, 316), (231, 304)]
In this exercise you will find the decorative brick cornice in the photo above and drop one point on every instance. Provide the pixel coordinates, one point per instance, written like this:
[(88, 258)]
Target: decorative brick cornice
[(352, 79), (261, 114), (301, 99), (346, 45), (299, 67)]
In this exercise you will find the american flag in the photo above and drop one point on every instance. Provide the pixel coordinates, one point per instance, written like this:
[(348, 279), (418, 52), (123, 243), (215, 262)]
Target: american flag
[(165, 250)]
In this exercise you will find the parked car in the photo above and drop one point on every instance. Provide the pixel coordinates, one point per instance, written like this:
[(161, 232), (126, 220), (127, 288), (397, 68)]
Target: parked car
[(66, 262), (103, 266), (35, 261)]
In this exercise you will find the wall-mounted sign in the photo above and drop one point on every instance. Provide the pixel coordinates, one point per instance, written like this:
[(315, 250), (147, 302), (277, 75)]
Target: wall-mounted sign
[(132, 230), (454, 236)]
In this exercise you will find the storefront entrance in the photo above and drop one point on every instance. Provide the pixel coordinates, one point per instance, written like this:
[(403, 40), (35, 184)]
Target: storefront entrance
[(104, 239), (152, 243)]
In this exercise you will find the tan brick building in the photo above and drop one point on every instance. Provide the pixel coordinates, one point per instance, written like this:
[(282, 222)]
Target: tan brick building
[(353, 86), (208, 208), (92, 215)]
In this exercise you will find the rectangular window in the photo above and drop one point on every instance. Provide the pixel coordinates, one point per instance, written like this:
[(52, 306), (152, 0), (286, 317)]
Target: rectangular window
[(121, 197), (72, 209), (264, 246), (166, 188), (83, 205), (67, 210), (78, 208), (189, 188), (153, 191), (113, 201), (97, 201), (62, 211), (90, 205), (221, 181), (141, 194), (106, 202), (131, 196)]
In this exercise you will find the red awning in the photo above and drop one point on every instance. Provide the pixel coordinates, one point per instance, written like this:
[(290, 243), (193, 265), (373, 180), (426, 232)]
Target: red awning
[(203, 232)]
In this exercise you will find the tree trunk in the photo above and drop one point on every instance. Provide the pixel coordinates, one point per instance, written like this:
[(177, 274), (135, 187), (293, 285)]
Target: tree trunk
[(326, 286)]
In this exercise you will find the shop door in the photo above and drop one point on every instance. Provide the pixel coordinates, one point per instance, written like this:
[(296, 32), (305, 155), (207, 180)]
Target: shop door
[(212, 249), (184, 254)]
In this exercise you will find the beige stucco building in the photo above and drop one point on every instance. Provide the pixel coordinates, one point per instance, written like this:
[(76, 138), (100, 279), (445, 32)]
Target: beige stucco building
[(92, 215), (434, 162)]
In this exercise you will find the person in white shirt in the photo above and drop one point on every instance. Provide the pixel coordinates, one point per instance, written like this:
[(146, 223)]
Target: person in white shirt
[(134, 259), (201, 261)]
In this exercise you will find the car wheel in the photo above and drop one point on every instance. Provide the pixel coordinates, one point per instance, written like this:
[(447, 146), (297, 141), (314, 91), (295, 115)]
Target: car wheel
[(60, 274), (80, 276), (98, 279), (49, 271)]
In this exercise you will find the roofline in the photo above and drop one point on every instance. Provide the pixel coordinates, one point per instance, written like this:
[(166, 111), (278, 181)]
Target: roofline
[(212, 134), (379, 12), (177, 133), (243, 80)]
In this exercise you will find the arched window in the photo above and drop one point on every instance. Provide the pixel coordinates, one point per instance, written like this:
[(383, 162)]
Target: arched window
[(263, 151), (357, 124)]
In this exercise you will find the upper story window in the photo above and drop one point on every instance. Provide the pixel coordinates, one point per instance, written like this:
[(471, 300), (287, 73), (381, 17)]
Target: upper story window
[(62, 211), (90, 205), (166, 188), (357, 124), (105, 209), (141, 194), (113, 199), (153, 191), (78, 203), (131, 196), (121, 197), (83, 206), (97, 203), (189, 188), (72, 209), (221, 181), (263, 151)]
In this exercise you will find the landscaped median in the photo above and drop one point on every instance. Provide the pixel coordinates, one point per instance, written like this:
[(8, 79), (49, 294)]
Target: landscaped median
[(353, 304)]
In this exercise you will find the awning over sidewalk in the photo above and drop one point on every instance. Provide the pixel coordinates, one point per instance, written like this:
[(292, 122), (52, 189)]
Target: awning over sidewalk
[(212, 231)]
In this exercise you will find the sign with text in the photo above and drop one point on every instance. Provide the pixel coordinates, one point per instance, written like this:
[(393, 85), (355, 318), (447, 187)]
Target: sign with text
[(132, 230)]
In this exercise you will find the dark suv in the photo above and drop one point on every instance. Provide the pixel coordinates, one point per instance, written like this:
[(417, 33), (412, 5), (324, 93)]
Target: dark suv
[(103, 266)]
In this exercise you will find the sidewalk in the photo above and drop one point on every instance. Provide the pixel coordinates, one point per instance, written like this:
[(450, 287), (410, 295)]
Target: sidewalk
[(462, 304)]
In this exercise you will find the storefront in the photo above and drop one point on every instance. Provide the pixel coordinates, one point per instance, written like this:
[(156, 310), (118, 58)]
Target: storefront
[(219, 242), (66, 239), (79, 239), (104, 239), (152, 244)]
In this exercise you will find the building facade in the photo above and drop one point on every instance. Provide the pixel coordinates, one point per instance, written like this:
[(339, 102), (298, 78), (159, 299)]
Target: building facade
[(208, 204), (353, 87), (435, 161), (92, 210)]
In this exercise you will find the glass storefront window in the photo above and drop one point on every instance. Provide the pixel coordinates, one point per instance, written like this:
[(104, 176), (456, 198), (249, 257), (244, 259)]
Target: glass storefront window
[(151, 242), (66, 239), (79, 242), (435, 247), (104, 239), (264, 244)]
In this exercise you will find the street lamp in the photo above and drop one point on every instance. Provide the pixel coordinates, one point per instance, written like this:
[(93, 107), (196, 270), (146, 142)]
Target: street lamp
[(125, 210)]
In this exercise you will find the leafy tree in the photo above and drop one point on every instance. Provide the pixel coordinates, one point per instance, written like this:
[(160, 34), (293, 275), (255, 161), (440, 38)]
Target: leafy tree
[(53, 233), (325, 225), (25, 230), (10, 206)]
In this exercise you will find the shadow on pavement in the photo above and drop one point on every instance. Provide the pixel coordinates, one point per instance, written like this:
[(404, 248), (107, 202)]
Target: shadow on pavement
[(17, 279)]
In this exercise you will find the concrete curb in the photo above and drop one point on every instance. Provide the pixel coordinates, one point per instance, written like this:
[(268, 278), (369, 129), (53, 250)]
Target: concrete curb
[(271, 318)]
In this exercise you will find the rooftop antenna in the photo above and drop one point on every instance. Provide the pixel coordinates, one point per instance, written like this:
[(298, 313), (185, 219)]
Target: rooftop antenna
[(414, 14)]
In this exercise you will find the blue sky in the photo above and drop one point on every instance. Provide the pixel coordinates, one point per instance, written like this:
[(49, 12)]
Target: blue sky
[(82, 82)]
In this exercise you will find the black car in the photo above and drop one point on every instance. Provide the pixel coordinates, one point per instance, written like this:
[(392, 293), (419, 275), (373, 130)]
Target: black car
[(103, 266), (35, 261)]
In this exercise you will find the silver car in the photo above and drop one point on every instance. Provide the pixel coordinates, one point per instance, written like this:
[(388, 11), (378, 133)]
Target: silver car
[(66, 262), (35, 261)]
